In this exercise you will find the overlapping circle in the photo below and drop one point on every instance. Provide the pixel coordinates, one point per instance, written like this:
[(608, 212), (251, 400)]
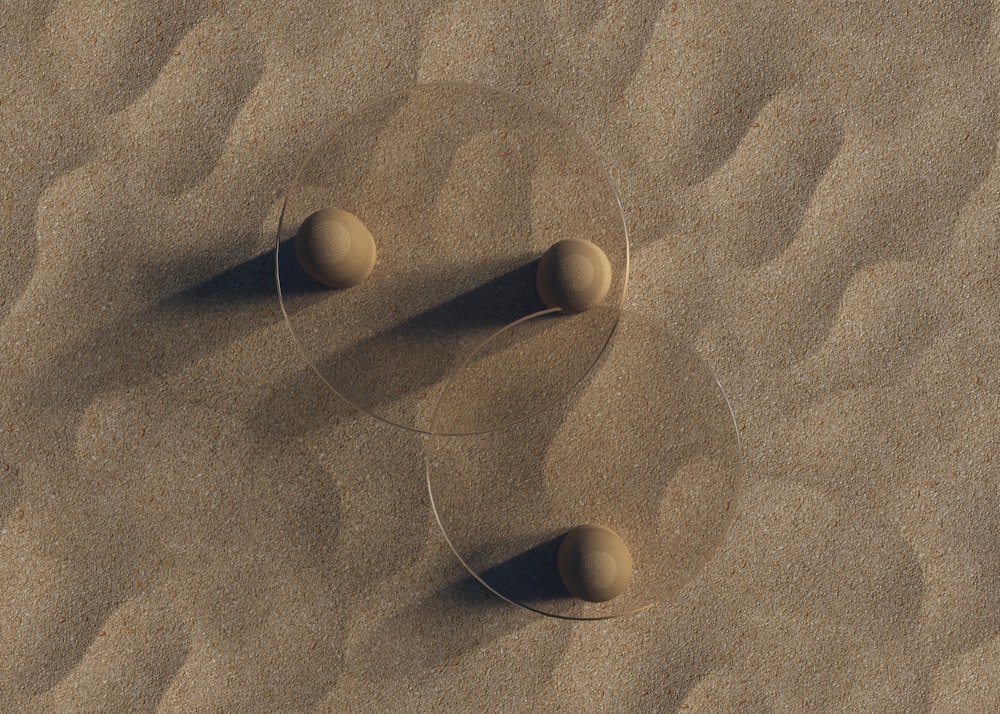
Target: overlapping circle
[(539, 420)]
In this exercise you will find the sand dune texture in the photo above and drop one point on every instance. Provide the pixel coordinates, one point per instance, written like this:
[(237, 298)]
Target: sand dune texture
[(190, 522)]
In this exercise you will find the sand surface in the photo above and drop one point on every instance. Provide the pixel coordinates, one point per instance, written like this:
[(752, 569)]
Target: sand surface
[(190, 522)]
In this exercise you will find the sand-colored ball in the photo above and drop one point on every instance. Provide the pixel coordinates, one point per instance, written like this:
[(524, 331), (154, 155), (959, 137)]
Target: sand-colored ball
[(594, 563), (574, 275), (335, 247)]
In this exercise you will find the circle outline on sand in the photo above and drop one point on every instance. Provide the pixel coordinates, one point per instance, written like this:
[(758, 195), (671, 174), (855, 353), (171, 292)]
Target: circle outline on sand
[(501, 496), (396, 401)]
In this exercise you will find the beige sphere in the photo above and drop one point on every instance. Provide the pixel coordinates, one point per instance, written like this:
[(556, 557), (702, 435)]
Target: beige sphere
[(574, 275), (594, 563), (335, 247)]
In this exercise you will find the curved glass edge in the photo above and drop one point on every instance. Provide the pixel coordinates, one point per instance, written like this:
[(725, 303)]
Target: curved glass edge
[(481, 581), (541, 407), (401, 93), (440, 523)]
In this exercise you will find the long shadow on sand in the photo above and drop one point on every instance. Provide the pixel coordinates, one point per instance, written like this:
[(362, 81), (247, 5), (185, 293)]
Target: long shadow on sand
[(408, 355), (220, 309), (531, 576), (408, 352), (141, 346), (464, 615)]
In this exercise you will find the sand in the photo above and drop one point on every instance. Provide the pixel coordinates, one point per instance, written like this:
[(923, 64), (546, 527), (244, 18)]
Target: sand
[(192, 523)]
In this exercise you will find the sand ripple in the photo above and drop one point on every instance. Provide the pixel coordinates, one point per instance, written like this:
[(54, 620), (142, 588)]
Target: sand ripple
[(190, 524)]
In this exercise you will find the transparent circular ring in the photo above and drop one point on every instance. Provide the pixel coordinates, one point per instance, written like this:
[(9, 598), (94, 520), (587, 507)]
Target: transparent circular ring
[(646, 445), (463, 188)]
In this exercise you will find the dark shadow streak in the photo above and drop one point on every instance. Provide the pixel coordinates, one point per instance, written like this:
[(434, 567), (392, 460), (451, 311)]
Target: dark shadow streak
[(223, 308), (531, 577), (409, 353), (499, 301), (465, 615), (403, 352), (442, 627), (253, 278)]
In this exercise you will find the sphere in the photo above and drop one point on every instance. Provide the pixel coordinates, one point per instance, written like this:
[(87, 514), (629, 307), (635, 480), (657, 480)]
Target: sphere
[(574, 275), (335, 248), (594, 563)]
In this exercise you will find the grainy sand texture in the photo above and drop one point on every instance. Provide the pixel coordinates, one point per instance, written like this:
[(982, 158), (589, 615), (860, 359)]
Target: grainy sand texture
[(190, 521)]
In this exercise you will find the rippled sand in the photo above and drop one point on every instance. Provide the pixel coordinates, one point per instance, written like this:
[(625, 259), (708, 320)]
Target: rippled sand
[(190, 523)]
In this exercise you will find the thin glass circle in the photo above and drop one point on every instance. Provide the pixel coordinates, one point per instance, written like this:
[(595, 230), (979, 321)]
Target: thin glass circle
[(463, 188), (645, 445)]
